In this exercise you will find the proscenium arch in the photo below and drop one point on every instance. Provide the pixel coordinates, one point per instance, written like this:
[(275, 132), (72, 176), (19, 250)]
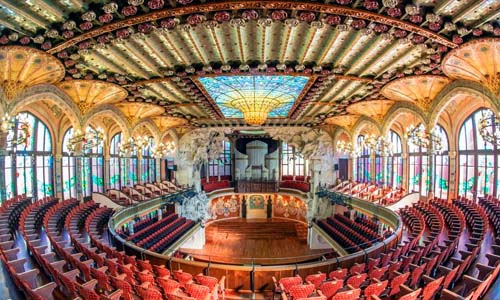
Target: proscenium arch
[(51, 93), (118, 117), (465, 87), (398, 108)]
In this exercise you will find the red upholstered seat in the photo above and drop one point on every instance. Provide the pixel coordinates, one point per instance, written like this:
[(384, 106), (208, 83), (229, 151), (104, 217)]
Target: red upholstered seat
[(375, 289), (288, 282), (347, 295), (301, 290), (183, 277), (330, 288), (411, 296), (199, 292), (207, 281), (338, 274), (169, 286), (316, 279), (356, 281)]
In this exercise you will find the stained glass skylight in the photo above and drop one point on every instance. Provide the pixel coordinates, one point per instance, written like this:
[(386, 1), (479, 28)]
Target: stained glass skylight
[(278, 91)]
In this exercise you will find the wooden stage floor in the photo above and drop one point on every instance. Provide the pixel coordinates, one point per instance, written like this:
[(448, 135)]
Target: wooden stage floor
[(263, 241)]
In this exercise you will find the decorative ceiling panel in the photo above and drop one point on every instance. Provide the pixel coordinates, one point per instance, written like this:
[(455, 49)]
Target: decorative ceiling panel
[(418, 89), (375, 109), (22, 67), (477, 61), (228, 91), (89, 93), (137, 111)]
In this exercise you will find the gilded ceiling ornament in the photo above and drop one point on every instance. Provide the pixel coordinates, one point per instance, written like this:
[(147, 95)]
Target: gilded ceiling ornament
[(476, 61)]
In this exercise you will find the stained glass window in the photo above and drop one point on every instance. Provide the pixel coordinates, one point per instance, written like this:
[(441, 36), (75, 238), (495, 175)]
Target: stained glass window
[(68, 168), (441, 167), (226, 89), (222, 166), (93, 170), (28, 168), (133, 169), (116, 163), (419, 177), (292, 164), (394, 173), (363, 161), (478, 169), (148, 163)]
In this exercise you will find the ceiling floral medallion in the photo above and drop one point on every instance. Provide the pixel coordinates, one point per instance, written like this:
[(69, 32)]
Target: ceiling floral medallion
[(375, 109), (421, 90), (88, 94), (22, 67), (476, 61)]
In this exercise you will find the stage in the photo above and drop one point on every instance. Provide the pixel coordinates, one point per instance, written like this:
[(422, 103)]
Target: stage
[(261, 241)]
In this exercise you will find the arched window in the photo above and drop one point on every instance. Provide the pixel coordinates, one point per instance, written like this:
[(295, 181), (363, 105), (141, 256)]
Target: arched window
[(68, 168), (394, 173), (441, 167), (28, 167), (222, 166), (133, 169), (477, 160), (117, 175), (363, 161), (291, 163), (419, 169), (148, 163), (93, 169)]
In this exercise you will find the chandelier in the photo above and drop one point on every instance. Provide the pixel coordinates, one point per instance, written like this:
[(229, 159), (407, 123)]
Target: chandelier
[(418, 136), (379, 144), (163, 150), (133, 145), (84, 141), (23, 133), (489, 128), (347, 148), (255, 110)]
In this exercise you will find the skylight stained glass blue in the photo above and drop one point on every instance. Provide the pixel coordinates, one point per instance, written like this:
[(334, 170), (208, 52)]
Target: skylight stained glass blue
[(225, 89)]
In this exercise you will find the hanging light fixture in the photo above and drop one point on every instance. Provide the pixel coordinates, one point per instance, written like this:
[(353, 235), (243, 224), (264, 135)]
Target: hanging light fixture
[(84, 141), (384, 147), (418, 136), (489, 128), (163, 150), (23, 133), (347, 148), (133, 144)]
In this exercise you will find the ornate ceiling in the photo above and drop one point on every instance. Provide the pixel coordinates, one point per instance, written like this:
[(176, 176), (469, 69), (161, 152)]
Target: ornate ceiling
[(158, 50)]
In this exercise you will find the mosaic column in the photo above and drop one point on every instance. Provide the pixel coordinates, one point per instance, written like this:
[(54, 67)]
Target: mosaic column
[(58, 177), (106, 181), (452, 181), (430, 174), (160, 162), (79, 177), (3, 154)]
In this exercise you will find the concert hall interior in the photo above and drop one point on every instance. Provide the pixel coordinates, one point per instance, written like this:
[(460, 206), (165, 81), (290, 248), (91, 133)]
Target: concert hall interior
[(242, 149)]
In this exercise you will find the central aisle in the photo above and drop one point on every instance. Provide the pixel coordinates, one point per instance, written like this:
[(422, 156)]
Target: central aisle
[(267, 241)]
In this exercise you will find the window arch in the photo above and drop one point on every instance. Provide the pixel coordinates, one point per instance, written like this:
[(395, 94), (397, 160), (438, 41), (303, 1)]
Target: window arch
[(28, 167), (117, 170), (222, 166), (93, 169), (363, 161), (394, 174), (478, 160), (441, 166), (68, 164), (148, 163), (419, 179), (292, 163)]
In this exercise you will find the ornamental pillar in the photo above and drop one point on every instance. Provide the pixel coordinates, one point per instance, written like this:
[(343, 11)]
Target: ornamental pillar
[(3, 154), (106, 179), (58, 177), (158, 169)]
